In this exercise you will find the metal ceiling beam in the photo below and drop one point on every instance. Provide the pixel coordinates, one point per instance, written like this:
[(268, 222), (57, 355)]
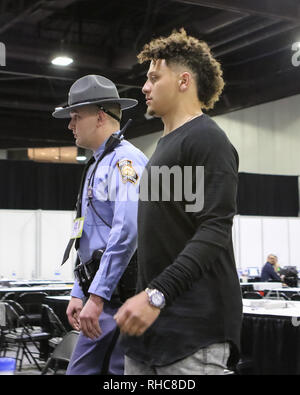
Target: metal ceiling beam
[(50, 8), (243, 31), (278, 9), (217, 22), (256, 38), (20, 17)]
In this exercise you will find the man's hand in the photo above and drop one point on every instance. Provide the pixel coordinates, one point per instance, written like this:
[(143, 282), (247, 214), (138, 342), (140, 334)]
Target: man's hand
[(136, 315), (73, 310), (89, 317)]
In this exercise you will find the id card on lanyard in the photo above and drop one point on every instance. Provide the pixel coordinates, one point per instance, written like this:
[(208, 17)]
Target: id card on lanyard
[(77, 228)]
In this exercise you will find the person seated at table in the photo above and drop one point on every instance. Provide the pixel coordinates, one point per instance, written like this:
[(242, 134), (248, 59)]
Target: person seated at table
[(268, 272)]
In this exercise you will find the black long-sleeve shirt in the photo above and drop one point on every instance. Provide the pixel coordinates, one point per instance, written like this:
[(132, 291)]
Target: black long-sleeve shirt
[(188, 255)]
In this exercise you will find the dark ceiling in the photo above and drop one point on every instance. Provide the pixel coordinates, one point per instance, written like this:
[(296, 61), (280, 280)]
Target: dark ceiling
[(252, 39)]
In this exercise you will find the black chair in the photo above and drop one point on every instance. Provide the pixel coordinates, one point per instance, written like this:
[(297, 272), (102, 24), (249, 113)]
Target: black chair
[(283, 296), (9, 296), (252, 295), (295, 297), (62, 353), (17, 334), (51, 323), (32, 304)]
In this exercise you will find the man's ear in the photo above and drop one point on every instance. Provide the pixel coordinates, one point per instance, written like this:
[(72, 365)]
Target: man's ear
[(101, 117), (184, 81)]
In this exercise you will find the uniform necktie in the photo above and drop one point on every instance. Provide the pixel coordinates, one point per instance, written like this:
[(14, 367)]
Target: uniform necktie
[(78, 209)]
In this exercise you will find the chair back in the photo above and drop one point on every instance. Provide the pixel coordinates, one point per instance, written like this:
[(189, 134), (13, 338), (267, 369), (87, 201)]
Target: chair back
[(9, 296), (64, 349), (18, 308), (252, 295), (9, 317), (32, 301), (52, 320), (2, 315), (295, 297)]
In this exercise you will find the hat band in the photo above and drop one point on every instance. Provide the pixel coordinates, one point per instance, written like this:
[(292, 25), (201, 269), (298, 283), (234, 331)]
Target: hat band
[(101, 108), (93, 100)]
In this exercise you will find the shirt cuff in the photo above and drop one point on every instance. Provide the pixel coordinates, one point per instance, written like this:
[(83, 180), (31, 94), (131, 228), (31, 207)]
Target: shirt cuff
[(77, 291)]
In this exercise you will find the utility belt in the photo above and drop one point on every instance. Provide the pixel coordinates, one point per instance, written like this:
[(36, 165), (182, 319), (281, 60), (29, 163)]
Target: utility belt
[(85, 273)]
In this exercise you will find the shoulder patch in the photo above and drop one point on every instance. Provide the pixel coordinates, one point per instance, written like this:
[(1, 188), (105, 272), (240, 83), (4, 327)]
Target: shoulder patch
[(127, 171)]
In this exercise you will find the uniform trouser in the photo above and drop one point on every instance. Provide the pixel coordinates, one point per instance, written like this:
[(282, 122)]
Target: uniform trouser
[(210, 360), (103, 355)]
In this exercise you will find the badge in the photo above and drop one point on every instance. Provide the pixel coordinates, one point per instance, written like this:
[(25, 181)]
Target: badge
[(77, 228), (127, 171)]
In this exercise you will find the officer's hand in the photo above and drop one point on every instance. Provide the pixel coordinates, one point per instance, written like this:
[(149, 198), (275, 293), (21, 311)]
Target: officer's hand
[(89, 317), (73, 310), (136, 315)]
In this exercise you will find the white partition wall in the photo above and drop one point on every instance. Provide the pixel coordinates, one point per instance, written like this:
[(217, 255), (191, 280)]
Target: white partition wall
[(32, 243), (294, 241), (17, 243), (276, 239), (55, 230), (248, 243), (256, 237)]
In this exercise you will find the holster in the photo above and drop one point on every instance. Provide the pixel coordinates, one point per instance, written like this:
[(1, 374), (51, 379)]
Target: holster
[(85, 273)]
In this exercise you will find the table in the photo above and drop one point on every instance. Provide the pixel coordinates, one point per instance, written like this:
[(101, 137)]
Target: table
[(266, 286), (49, 289), (31, 283), (271, 336)]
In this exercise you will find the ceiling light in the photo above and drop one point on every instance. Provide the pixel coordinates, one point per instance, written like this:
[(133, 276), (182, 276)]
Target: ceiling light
[(81, 156), (62, 61)]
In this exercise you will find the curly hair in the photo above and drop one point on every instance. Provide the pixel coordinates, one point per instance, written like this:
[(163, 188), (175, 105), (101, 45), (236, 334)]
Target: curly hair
[(181, 49)]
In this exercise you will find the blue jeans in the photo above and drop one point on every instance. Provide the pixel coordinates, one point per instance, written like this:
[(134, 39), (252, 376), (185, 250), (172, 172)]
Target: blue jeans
[(210, 360)]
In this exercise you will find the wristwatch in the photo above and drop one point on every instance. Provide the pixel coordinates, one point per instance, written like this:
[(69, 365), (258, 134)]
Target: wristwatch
[(156, 298)]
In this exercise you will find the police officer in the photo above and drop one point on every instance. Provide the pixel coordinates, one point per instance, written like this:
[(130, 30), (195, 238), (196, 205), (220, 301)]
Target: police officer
[(107, 221)]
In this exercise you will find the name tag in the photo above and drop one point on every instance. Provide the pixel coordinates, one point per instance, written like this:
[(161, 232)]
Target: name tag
[(77, 228)]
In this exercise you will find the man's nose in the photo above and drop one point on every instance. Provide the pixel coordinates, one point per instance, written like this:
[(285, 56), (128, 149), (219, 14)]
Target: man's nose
[(146, 88), (71, 125)]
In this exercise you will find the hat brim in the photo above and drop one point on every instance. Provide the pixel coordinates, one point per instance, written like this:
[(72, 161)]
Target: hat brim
[(64, 112)]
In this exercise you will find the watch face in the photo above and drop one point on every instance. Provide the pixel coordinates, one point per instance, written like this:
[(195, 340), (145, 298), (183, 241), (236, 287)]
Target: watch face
[(157, 299)]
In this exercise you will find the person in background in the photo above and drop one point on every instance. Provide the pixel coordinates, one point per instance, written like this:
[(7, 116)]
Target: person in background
[(269, 270)]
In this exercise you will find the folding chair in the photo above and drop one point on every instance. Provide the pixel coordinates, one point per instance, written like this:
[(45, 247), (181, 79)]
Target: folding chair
[(18, 334), (295, 297), (252, 295), (62, 352), (8, 296), (53, 324), (32, 304)]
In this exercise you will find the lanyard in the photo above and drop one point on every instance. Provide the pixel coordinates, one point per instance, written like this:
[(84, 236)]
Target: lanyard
[(114, 140)]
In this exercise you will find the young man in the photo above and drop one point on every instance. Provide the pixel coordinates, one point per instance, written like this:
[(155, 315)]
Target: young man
[(109, 208), (186, 318)]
